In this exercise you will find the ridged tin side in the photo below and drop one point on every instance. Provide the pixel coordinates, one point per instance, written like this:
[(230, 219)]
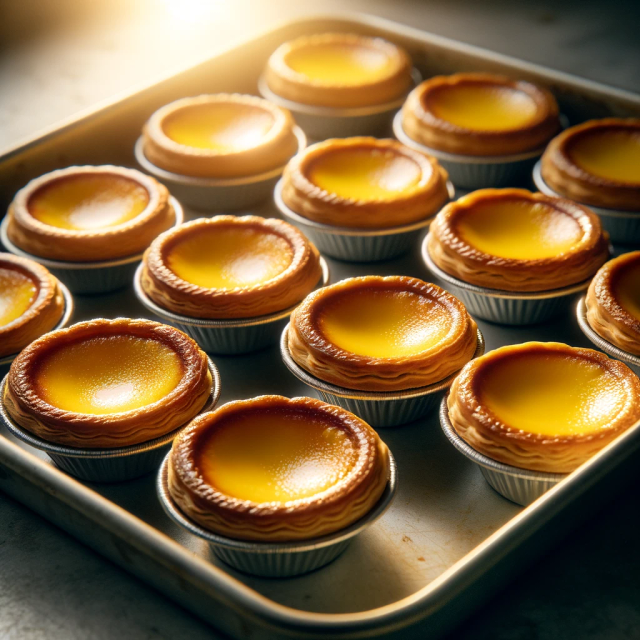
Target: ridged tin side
[(278, 559), (623, 226), (470, 172), (518, 485)]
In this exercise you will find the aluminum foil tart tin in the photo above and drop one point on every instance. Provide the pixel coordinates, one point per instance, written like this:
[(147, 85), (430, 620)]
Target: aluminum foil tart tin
[(623, 226), (107, 465), (518, 485), (226, 336), (474, 172), (278, 559), (356, 245), (506, 307), (630, 359), (89, 277), (64, 320), (212, 194), (320, 123), (376, 408)]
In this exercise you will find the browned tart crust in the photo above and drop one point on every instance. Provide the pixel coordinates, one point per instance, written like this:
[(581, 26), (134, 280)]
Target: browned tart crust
[(331, 510), (43, 314), (171, 292), (24, 404), (457, 257), (422, 125)]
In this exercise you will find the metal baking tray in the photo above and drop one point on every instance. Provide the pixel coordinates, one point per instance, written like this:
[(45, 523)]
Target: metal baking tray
[(448, 541)]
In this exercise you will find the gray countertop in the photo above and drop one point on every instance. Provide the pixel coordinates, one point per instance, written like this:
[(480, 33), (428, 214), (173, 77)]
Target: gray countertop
[(58, 58)]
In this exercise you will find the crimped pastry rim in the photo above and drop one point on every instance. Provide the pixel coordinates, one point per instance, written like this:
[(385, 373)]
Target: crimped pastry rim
[(601, 211), (320, 385), (218, 324), (295, 546), (497, 293), (60, 264), (349, 231), (602, 343), (195, 181), (448, 156), (334, 112), (485, 461), (486, 421), (66, 315), (113, 452)]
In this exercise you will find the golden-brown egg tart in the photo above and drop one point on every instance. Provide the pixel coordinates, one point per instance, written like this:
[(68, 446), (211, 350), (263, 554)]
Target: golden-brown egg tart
[(230, 267), (364, 183), (597, 162), (613, 302), (220, 136), (339, 70), (87, 214), (31, 302), (277, 469), (515, 240), (107, 383), (543, 406), (381, 334), (480, 114)]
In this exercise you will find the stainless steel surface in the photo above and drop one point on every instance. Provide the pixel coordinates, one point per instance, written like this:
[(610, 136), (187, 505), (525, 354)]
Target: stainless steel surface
[(66, 316), (506, 307), (611, 350), (518, 485), (447, 542), (226, 336), (88, 277), (107, 464), (623, 226), (278, 559), (378, 408)]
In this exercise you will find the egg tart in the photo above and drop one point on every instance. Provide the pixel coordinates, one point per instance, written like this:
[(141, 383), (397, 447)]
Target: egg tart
[(230, 267), (220, 136), (543, 406), (613, 302), (87, 214), (381, 334), (364, 183), (277, 469), (339, 70), (597, 162), (515, 240), (480, 114), (31, 302), (107, 383)]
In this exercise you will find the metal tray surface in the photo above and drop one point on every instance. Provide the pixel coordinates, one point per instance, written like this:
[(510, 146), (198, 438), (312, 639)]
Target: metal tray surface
[(446, 543)]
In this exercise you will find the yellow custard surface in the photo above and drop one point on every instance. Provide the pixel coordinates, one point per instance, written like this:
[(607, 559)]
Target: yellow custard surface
[(88, 202), (383, 324), (108, 374), (226, 258), (339, 63), (17, 293), (626, 288), (364, 174), (551, 394), (222, 127), (275, 456), (613, 154), (518, 229), (482, 107)]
